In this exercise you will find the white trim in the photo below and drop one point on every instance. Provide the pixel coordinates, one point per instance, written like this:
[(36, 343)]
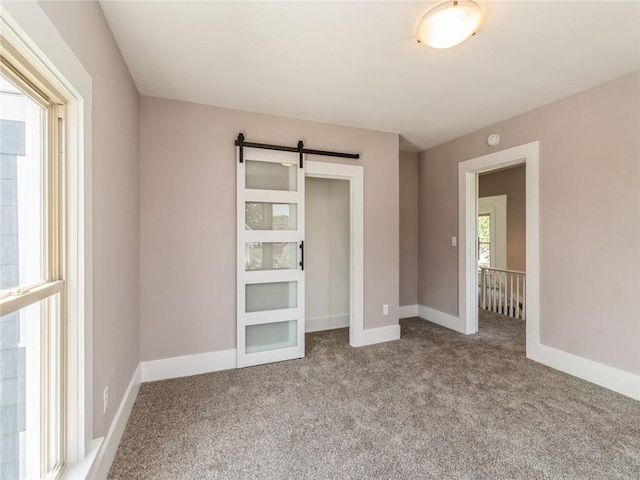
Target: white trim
[(612, 378), (532, 254), (107, 452), (187, 365), (80, 470), (408, 311), (332, 322), (443, 319), (467, 224), (380, 335), (625, 383), (617, 380), (355, 175)]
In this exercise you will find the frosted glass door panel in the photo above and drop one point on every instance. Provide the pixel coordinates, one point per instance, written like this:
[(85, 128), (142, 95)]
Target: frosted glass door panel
[(271, 336), (271, 176), (270, 216), (261, 297), (271, 256), (270, 279)]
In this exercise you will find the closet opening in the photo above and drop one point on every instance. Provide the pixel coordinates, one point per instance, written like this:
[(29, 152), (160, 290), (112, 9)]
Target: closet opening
[(327, 254)]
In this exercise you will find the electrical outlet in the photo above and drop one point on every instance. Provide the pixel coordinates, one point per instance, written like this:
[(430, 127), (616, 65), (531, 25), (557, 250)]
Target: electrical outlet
[(105, 399), (385, 309)]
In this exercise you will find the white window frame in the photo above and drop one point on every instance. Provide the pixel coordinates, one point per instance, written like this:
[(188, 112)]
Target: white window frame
[(491, 242), (29, 31), (496, 207), (46, 365)]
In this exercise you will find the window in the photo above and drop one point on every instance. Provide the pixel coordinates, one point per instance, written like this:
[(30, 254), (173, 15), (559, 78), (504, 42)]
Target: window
[(484, 240), (492, 231), (32, 273)]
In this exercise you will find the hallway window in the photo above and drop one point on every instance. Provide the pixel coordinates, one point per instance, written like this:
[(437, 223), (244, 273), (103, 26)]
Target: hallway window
[(484, 240)]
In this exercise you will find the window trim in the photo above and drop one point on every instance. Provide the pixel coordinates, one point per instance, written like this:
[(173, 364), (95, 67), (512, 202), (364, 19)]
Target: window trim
[(77, 255), (496, 207), (492, 247), (51, 447)]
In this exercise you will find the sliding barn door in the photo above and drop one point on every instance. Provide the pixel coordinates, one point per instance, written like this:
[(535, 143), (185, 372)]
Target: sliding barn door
[(270, 289)]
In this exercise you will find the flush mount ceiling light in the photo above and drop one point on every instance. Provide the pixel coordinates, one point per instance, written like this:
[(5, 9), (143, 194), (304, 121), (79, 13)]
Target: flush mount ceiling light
[(450, 23)]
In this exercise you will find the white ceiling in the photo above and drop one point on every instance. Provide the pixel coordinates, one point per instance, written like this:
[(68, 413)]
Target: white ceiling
[(357, 63)]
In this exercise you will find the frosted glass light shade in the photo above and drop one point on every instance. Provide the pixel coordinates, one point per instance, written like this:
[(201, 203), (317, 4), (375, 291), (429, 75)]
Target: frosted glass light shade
[(450, 23)]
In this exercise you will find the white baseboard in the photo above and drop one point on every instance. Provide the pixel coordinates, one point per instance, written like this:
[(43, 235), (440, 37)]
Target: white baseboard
[(379, 335), (408, 311), (326, 323), (107, 451), (620, 381), (188, 365), (442, 319), (612, 378)]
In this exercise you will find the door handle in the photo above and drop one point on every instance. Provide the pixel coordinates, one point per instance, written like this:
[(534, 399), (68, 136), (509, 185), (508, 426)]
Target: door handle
[(302, 254)]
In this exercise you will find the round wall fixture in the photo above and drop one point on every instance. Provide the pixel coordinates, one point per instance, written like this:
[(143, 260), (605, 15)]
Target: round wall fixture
[(493, 139)]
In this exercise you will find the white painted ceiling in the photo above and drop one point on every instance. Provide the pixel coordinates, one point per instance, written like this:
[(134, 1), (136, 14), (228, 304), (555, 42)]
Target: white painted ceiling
[(357, 63)]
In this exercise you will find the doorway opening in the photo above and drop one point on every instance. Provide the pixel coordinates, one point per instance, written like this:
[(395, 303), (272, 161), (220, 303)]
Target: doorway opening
[(326, 254), (334, 204), (501, 231), (469, 279)]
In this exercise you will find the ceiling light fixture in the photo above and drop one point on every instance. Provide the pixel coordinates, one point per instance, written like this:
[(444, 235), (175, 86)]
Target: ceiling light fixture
[(450, 23)]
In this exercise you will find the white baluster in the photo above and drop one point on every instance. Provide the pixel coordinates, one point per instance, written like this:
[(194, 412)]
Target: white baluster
[(524, 298), (511, 295), (493, 291), (518, 296), (482, 289), (500, 292)]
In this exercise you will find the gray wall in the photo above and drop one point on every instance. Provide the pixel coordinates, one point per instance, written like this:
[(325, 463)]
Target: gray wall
[(188, 219), (115, 201), (510, 182), (326, 249), (408, 228), (589, 219)]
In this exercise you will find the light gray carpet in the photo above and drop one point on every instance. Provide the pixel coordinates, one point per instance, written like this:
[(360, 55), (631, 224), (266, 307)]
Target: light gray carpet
[(434, 404)]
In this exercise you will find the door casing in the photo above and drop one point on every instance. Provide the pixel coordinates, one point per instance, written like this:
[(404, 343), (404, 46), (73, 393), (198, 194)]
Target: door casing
[(467, 217)]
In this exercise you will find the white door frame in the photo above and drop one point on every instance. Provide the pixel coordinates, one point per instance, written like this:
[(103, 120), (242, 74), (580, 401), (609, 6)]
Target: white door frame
[(354, 174), (467, 216)]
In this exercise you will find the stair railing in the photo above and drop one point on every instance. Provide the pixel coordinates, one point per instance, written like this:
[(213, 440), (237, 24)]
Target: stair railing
[(503, 291)]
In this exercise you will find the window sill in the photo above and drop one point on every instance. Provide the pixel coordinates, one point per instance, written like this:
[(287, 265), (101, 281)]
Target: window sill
[(80, 470)]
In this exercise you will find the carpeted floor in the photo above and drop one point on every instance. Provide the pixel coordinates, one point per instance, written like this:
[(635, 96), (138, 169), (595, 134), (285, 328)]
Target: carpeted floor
[(434, 404)]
